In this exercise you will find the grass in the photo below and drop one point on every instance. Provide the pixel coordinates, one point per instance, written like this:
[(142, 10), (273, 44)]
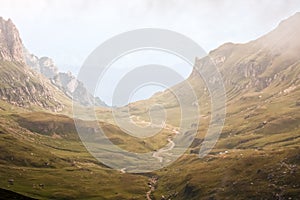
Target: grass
[(240, 174), (256, 156), (49, 168), (255, 165), (260, 161)]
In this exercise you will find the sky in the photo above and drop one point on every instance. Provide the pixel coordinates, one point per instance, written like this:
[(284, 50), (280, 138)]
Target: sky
[(69, 30)]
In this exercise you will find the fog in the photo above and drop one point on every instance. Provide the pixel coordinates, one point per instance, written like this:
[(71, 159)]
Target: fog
[(68, 31)]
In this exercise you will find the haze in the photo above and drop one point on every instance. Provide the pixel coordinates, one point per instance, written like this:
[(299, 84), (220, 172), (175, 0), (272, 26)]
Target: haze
[(68, 31)]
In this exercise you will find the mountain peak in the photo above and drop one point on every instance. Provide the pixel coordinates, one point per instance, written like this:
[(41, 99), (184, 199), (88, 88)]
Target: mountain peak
[(11, 47), (284, 36)]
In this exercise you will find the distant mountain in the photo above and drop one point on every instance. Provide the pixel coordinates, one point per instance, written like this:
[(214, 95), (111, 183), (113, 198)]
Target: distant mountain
[(66, 82), (43, 65), (75, 89)]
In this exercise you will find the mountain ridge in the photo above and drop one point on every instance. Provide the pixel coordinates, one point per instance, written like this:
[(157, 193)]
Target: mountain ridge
[(20, 85), (11, 48), (32, 88), (256, 156), (65, 81)]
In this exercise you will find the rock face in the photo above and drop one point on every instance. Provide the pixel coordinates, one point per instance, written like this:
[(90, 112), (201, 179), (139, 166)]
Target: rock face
[(44, 65), (259, 64), (75, 89), (23, 87), (11, 48), (19, 85), (66, 82), (259, 70)]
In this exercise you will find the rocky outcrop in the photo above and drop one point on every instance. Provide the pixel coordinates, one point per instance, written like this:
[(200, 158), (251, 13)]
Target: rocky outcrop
[(24, 88), (19, 85), (44, 65), (259, 64), (11, 47), (12, 50), (75, 89), (66, 82)]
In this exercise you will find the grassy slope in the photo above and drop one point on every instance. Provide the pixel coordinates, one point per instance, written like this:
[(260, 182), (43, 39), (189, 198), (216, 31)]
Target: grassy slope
[(261, 135), (262, 161), (7, 194), (262, 125), (45, 167), (259, 163), (22, 82)]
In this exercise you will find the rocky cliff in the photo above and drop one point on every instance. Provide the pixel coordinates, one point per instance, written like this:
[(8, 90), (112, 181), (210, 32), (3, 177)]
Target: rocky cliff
[(20, 85), (269, 64), (75, 89), (23, 87), (66, 82), (261, 71), (11, 48), (43, 65)]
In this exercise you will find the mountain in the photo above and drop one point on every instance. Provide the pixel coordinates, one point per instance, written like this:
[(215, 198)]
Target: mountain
[(20, 85), (43, 65), (15, 56), (262, 63), (11, 48), (261, 131), (255, 157), (76, 89), (66, 82), (262, 69)]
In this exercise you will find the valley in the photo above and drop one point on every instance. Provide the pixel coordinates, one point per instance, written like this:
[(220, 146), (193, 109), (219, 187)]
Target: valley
[(257, 155)]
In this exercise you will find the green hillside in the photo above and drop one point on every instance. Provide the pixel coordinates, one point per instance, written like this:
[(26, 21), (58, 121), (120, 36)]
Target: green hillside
[(256, 157)]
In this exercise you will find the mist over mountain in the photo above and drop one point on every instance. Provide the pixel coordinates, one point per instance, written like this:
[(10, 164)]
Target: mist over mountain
[(256, 155), (267, 65)]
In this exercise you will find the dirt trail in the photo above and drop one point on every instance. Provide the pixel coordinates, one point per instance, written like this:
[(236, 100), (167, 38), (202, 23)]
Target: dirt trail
[(160, 152), (152, 183), (158, 155)]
